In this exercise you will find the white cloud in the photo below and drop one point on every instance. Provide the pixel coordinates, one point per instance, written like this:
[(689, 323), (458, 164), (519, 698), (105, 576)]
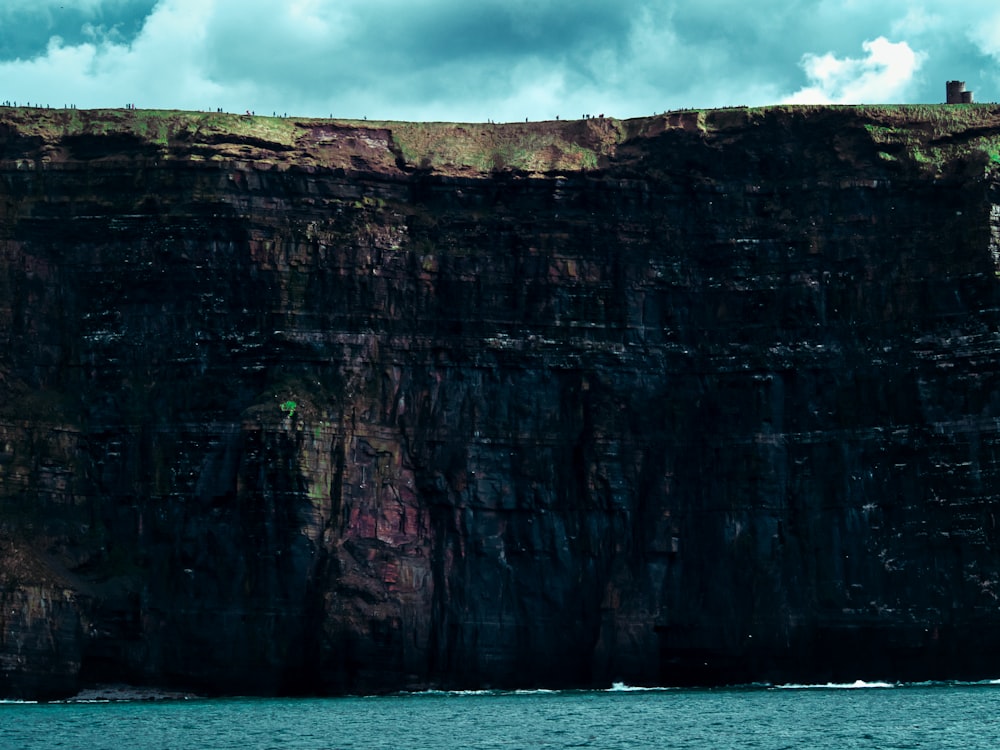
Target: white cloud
[(986, 36), (918, 21), (498, 59), (885, 74), (161, 64)]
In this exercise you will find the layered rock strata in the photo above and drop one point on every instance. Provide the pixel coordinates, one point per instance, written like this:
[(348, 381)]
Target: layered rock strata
[(304, 406)]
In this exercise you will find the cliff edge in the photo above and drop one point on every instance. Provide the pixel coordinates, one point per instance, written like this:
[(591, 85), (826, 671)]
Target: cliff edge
[(315, 406)]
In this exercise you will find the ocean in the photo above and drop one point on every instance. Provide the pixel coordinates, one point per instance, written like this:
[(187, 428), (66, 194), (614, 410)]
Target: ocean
[(826, 717)]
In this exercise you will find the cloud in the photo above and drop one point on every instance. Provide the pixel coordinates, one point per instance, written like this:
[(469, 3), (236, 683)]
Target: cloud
[(489, 59), (885, 74), (443, 56), (918, 21), (385, 58), (986, 36), (27, 26), (161, 63)]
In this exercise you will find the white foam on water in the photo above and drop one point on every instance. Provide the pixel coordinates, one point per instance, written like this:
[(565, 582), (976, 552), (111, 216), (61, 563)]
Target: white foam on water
[(443, 693), (621, 687), (856, 685)]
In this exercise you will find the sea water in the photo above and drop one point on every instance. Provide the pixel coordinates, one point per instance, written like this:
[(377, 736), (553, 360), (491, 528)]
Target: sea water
[(819, 717)]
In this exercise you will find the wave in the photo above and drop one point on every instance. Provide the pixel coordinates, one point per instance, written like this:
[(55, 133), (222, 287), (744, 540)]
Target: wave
[(616, 687), (862, 684), (856, 685), (621, 687), (955, 683)]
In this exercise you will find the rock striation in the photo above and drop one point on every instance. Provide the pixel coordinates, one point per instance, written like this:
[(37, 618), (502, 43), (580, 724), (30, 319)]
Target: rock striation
[(312, 406)]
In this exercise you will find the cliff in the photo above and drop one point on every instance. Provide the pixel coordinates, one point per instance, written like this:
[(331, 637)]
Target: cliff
[(313, 406)]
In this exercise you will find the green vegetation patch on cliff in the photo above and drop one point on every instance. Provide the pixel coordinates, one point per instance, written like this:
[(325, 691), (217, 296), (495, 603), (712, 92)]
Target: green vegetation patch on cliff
[(928, 136), (471, 148), (520, 147), (934, 135)]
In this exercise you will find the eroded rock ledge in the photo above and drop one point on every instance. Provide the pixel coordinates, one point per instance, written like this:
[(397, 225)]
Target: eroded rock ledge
[(303, 406)]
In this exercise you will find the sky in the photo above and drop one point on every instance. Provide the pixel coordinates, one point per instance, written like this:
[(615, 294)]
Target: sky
[(500, 60)]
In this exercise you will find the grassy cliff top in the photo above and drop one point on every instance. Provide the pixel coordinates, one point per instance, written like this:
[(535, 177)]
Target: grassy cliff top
[(929, 135)]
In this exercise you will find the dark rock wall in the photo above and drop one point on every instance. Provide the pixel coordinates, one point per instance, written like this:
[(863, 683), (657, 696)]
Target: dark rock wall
[(724, 409)]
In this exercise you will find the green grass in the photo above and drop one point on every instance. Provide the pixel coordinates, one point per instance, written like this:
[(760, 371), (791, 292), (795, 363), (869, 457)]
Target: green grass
[(934, 135), (491, 147), (925, 135)]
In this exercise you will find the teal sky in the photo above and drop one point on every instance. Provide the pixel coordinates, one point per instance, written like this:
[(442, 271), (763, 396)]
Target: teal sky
[(473, 60)]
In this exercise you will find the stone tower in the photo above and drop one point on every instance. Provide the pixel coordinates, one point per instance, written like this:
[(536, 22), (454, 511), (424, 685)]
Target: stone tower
[(957, 93)]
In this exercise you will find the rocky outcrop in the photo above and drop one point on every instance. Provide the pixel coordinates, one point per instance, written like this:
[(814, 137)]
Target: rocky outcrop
[(315, 407)]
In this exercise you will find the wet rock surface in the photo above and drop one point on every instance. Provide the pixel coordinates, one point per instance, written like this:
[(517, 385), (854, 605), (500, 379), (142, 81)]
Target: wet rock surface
[(319, 408)]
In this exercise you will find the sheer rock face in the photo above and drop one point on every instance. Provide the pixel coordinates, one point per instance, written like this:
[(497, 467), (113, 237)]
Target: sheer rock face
[(332, 413)]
